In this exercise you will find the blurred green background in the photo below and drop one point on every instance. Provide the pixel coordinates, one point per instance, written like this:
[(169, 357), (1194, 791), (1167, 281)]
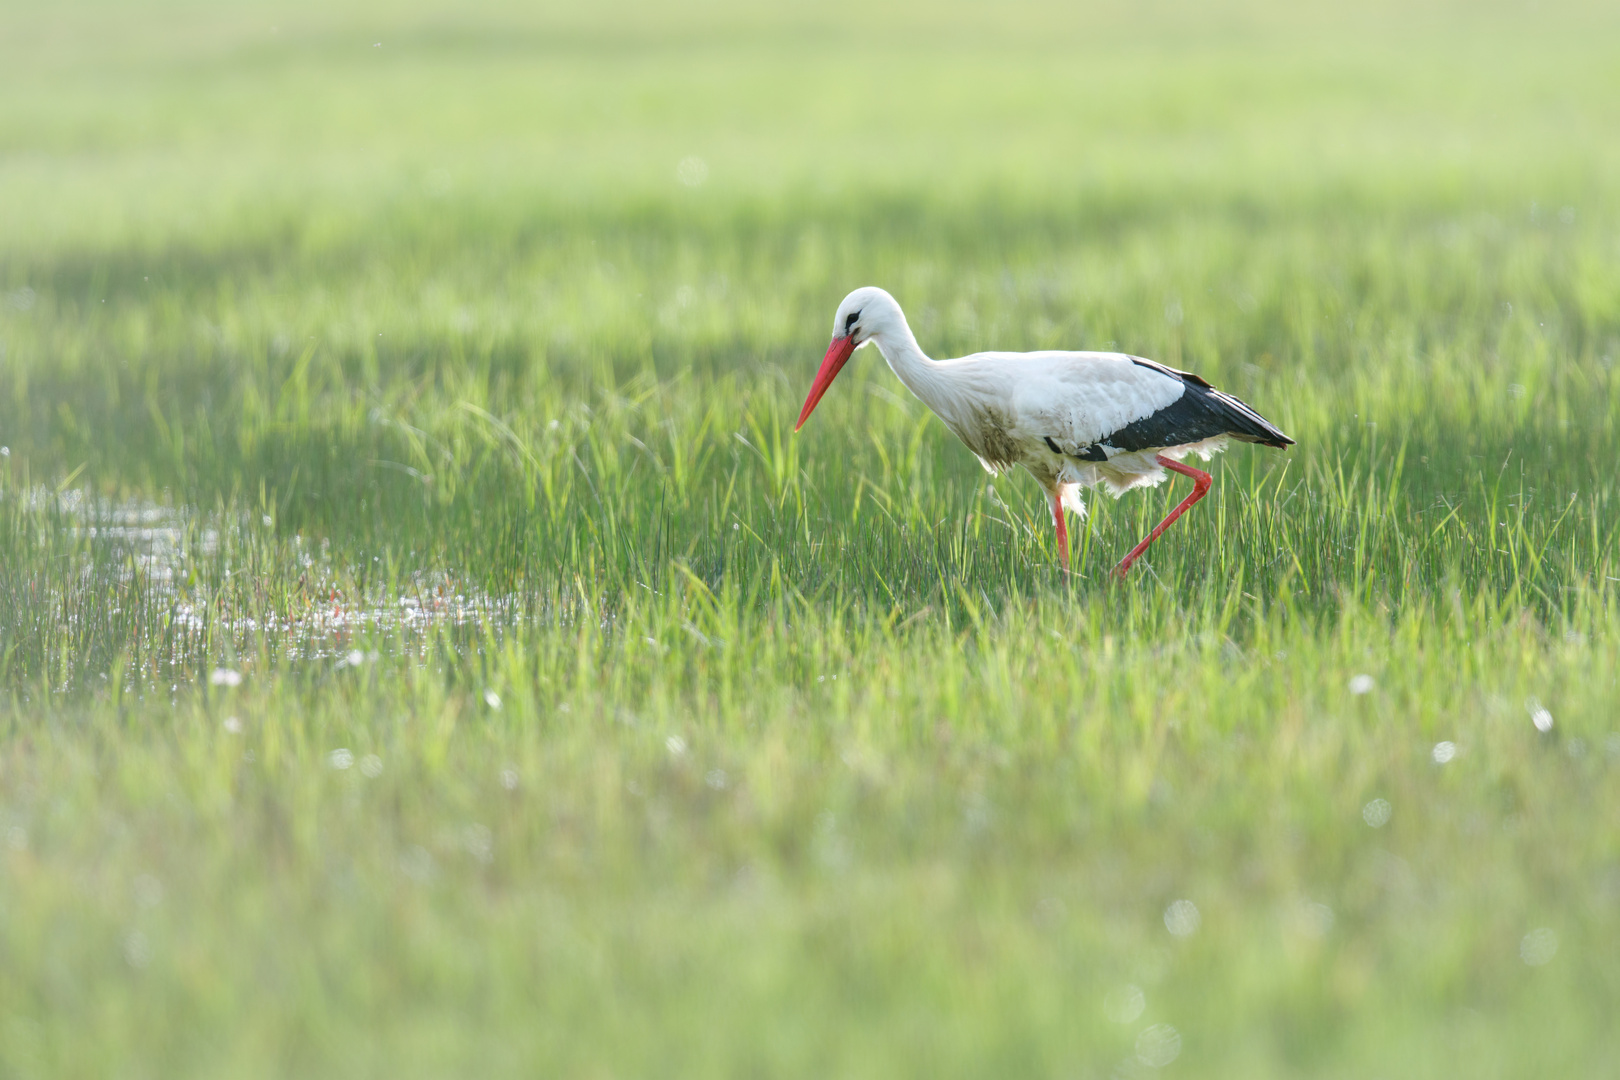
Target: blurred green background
[(424, 650)]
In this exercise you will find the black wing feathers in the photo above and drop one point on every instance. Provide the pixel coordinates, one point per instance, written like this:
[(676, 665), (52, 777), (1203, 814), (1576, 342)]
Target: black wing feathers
[(1084, 453), (1201, 412)]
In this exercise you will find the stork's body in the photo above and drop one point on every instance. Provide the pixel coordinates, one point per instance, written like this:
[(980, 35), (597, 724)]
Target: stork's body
[(1072, 419)]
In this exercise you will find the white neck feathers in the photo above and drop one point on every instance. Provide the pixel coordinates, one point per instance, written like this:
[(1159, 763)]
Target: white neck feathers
[(925, 378)]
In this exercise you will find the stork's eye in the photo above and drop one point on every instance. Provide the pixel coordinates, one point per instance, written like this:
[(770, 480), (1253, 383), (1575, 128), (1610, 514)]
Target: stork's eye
[(849, 323)]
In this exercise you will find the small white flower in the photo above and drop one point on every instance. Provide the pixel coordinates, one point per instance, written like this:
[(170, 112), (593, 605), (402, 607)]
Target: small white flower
[(509, 779), (225, 677), (137, 950), (1376, 813), (692, 171), (492, 699), (1124, 1003), (1443, 752), (1538, 947), (675, 745), (1181, 918), (355, 658), (340, 759), (416, 864), (1158, 1046), (148, 890), (1361, 684), (232, 725), (1539, 716), (371, 766), (479, 842), (716, 779), (1315, 920)]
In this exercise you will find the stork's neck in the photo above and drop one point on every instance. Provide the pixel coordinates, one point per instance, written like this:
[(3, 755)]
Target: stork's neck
[(922, 376)]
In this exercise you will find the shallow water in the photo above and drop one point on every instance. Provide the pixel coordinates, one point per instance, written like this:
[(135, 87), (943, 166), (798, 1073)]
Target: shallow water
[(173, 593)]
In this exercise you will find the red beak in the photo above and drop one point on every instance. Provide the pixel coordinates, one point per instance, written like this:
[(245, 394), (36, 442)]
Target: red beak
[(838, 354)]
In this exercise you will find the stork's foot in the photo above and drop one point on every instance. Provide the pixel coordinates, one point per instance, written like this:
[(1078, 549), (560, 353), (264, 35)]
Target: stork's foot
[(1201, 481)]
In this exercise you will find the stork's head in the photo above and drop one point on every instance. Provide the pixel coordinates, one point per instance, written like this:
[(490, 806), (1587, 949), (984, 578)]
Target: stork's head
[(865, 314)]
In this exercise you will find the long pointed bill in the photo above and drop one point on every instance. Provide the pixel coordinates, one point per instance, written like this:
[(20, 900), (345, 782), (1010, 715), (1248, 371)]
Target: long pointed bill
[(838, 354)]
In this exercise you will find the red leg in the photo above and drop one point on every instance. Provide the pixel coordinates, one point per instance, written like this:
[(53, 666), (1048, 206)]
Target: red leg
[(1201, 481), (1062, 528)]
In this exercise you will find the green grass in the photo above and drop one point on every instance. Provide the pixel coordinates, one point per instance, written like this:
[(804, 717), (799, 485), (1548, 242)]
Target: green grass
[(591, 724)]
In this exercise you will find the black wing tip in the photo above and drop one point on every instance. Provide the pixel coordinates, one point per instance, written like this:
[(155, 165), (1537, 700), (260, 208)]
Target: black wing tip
[(1248, 425)]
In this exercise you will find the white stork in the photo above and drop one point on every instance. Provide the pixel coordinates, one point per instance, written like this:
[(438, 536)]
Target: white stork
[(1073, 419)]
